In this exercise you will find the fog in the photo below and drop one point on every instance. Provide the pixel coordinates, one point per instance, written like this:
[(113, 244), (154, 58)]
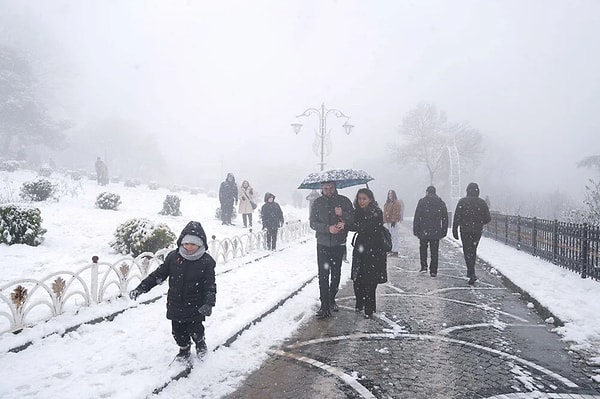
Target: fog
[(214, 86)]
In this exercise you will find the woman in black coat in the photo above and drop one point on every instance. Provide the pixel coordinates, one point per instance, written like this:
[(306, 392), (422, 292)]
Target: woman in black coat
[(369, 259)]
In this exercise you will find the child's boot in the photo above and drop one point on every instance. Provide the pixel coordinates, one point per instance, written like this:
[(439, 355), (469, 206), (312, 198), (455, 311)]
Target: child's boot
[(184, 354)]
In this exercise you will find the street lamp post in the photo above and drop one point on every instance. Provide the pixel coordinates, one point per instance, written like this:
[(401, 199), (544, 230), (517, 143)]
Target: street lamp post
[(322, 134)]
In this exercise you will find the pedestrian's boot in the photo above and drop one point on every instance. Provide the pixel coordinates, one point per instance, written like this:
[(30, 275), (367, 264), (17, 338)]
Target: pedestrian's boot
[(472, 280), (201, 348), (323, 314), (334, 306)]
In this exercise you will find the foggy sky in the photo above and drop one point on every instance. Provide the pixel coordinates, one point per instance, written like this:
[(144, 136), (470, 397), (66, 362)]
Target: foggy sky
[(220, 82)]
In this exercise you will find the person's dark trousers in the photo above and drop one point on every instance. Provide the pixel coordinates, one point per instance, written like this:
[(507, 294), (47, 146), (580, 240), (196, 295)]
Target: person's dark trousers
[(226, 212), (359, 295), (470, 241), (365, 296), (271, 239), (183, 330), (434, 247), (247, 219), (329, 261)]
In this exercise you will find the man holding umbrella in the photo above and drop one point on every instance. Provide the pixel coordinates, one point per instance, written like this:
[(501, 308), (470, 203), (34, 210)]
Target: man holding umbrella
[(329, 215)]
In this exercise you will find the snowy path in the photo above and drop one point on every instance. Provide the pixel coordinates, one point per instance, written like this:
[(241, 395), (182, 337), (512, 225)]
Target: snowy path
[(116, 360)]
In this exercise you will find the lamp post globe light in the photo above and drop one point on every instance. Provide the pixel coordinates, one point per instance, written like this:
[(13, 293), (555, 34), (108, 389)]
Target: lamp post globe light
[(322, 141)]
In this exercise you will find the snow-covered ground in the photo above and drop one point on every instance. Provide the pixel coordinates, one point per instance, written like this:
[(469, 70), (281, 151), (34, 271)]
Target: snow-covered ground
[(130, 356)]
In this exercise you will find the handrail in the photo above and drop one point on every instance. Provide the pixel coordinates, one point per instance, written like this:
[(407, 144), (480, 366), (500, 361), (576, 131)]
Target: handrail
[(26, 302), (573, 246)]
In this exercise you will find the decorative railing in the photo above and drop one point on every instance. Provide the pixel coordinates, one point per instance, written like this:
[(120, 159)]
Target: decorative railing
[(573, 246), (29, 301)]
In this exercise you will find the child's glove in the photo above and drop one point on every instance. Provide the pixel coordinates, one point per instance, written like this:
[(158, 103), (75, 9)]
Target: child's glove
[(206, 310), (133, 294)]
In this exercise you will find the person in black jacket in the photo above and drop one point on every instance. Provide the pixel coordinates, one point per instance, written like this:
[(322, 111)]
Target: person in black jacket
[(192, 288), (228, 195), (369, 259), (329, 215), (272, 220), (471, 214), (430, 225)]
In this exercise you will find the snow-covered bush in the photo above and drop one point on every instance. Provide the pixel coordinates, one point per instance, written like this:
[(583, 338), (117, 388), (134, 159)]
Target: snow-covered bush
[(132, 183), (9, 166), (37, 190), (153, 185), (171, 206), (20, 225), (108, 201), (75, 175), (218, 213), (45, 171), (141, 235)]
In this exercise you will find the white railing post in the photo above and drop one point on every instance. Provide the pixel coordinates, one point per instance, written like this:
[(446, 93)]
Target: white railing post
[(94, 282)]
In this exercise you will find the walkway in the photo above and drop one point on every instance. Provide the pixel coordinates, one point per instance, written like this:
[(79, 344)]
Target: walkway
[(431, 338)]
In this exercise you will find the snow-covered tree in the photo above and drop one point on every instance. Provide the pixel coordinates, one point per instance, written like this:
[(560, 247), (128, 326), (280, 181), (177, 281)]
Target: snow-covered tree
[(23, 116), (427, 134)]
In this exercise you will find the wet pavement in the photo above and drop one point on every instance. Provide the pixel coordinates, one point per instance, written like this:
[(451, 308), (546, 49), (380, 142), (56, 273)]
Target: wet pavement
[(431, 337)]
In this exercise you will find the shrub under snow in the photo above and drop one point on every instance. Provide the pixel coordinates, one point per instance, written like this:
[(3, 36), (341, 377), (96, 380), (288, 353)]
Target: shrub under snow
[(108, 201), (20, 225), (171, 206), (37, 190), (141, 235)]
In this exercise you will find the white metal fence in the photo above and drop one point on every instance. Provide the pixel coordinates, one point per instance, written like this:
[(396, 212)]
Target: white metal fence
[(28, 301)]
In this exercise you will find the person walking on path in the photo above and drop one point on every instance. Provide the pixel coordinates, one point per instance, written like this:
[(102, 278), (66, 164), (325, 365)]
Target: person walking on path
[(247, 203), (228, 195), (329, 216), (192, 289), (369, 260), (392, 215), (430, 225), (472, 213), (272, 220)]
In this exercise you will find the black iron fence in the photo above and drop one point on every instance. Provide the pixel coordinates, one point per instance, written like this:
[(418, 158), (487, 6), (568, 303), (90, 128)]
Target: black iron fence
[(570, 245)]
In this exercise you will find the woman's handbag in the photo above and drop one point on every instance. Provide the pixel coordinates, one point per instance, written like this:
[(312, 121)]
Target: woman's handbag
[(386, 239), (253, 204)]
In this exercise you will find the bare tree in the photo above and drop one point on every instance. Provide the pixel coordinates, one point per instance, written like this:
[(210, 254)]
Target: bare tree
[(427, 135)]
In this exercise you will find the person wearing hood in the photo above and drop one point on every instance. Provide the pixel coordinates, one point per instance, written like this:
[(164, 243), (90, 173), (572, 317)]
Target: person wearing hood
[(472, 213), (272, 220), (228, 195), (192, 289), (430, 225)]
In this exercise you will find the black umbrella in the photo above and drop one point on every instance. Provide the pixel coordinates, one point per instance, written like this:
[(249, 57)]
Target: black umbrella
[(342, 177)]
